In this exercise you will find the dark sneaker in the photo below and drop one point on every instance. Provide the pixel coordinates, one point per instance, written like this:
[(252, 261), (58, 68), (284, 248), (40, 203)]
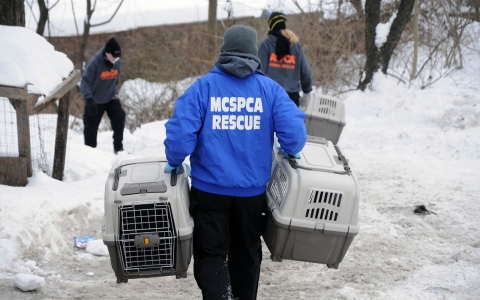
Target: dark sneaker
[(116, 151)]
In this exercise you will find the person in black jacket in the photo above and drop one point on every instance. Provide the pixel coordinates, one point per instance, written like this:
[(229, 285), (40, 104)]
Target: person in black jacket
[(283, 58), (99, 89)]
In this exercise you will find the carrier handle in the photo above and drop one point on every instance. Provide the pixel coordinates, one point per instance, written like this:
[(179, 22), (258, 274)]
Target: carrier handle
[(293, 163), (118, 172), (342, 158), (173, 178), (116, 178)]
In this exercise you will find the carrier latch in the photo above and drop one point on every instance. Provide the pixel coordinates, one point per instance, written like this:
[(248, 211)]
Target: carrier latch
[(146, 240)]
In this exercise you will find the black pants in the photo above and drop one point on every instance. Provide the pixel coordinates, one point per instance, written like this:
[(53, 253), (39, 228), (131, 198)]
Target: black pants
[(115, 113), (295, 97), (227, 250)]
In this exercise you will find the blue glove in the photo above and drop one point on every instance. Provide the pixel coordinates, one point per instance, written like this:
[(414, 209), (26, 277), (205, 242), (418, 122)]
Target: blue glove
[(287, 156), (189, 171), (169, 168)]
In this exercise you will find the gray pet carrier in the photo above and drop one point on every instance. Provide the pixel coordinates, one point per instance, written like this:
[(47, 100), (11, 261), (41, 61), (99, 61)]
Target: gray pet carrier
[(313, 205), (147, 227), (325, 116)]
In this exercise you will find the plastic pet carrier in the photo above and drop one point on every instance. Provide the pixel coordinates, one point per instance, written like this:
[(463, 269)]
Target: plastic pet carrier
[(313, 205), (325, 116), (147, 227)]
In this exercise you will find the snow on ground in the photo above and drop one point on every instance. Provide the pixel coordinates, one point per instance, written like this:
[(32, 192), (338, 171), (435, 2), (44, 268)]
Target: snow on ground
[(407, 147)]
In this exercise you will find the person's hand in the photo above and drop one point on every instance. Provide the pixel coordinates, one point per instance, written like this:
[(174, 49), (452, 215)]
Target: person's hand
[(307, 96), (92, 108), (303, 101), (287, 156), (169, 168)]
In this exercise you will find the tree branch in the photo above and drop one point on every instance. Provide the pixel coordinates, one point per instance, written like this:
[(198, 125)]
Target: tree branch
[(53, 5), (357, 4), (298, 5), (75, 18), (118, 7), (30, 5), (467, 15)]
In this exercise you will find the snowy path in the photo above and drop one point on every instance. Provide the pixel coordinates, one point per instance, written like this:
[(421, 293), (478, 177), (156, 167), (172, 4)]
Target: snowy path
[(407, 148), (397, 254)]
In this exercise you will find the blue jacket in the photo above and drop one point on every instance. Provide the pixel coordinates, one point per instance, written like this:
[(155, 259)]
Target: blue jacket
[(100, 79), (226, 124)]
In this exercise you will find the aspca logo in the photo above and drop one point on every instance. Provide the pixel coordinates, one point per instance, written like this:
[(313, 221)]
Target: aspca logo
[(287, 62), (107, 75)]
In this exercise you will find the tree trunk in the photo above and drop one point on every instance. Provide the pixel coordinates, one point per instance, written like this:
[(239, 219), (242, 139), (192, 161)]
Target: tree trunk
[(379, 59), (416, 41), (212, 27), (339, 9), (372, 18), (357, 4), (403, 16), (212, 16), (86, 32), (43, 17), (83, 44), (12, 12)]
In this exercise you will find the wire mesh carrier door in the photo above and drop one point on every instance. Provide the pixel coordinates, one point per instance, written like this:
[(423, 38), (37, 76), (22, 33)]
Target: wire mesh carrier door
[(147, 227), (147, 238), (313, 205)]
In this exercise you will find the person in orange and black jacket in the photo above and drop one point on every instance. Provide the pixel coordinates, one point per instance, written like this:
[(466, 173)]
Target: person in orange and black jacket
[(99, 89), (283, 59)]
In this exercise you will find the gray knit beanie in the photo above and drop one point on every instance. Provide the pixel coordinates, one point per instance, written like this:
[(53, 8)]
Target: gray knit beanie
[(240, 38)]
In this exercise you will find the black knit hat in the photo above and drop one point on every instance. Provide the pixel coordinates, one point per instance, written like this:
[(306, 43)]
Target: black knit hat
[(240, 38), (113, 48), (277, 21)]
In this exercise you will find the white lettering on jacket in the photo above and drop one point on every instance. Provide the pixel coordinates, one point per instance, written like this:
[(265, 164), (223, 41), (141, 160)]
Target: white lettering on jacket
[(246, 121)]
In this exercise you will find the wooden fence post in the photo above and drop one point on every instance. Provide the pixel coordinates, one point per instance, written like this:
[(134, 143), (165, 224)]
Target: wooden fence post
[(23, 129), (13, 171), (61, 137)]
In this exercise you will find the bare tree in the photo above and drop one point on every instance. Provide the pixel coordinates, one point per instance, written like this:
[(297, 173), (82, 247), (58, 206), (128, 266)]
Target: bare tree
[(299, 7), (212, 16), (416, 40), (357, 4), (87, 25), (12, 12), (378, 59), (473, 13), (339, 6), (212, 26), (44, 9), (372, 18), (44, 15)]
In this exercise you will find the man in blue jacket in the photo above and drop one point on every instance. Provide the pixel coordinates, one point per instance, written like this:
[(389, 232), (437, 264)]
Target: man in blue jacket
[(99, 89), (226, 122)]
